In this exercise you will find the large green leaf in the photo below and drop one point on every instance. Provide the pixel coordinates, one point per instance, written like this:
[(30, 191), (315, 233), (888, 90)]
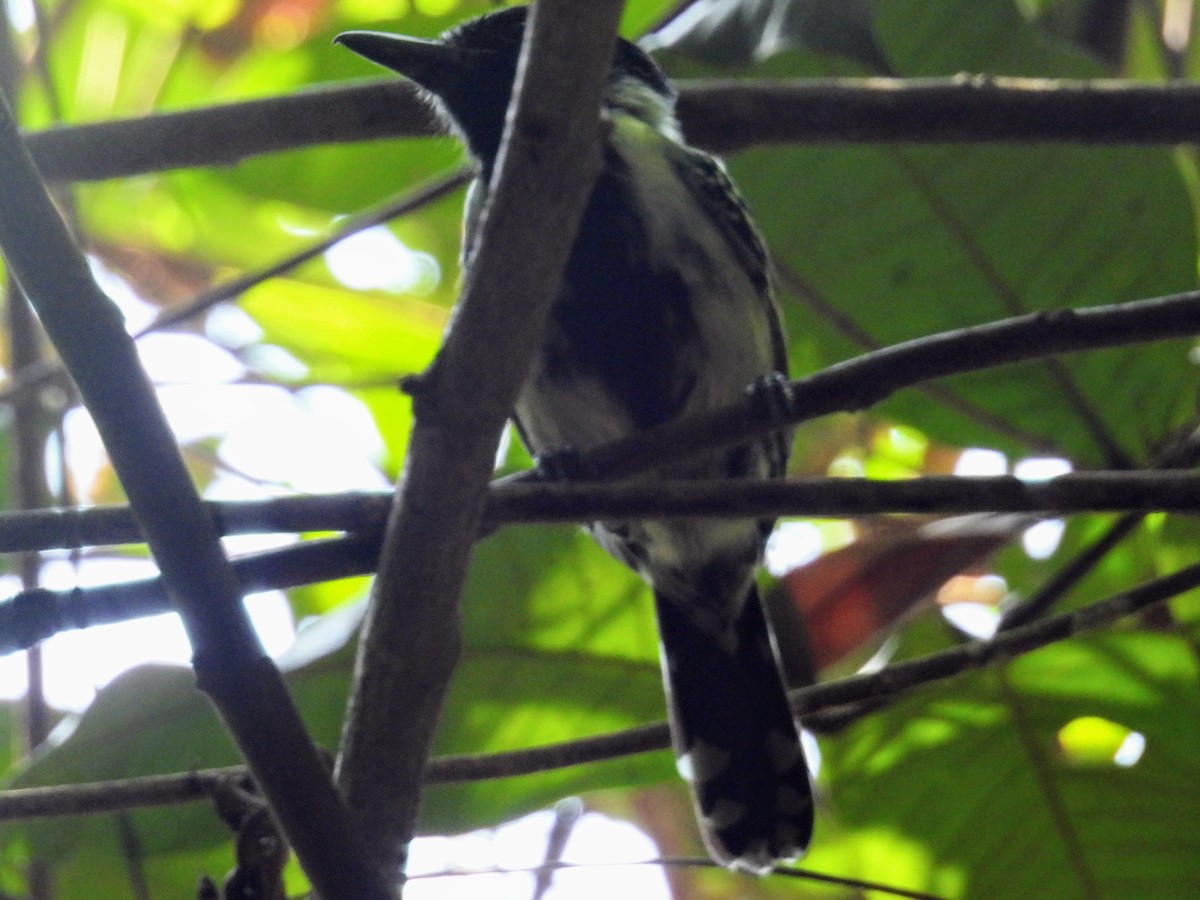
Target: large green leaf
[(347, 336), (905, 241), (957, 788), (971, 773)]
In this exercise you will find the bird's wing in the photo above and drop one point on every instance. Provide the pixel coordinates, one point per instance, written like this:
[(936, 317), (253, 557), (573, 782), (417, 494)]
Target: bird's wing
[(706, 178)]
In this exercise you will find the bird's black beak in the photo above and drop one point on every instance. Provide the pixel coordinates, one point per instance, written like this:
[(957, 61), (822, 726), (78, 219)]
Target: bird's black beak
[(431, 64)]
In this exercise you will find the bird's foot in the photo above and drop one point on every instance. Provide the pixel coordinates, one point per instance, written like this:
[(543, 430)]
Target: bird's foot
[(775, 396)]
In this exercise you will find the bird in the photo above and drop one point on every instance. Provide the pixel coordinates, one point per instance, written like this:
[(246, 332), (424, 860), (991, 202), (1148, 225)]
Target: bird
[(666, 310)]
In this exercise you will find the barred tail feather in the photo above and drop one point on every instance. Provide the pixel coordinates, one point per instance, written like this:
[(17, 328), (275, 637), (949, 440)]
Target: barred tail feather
[(735, 738)]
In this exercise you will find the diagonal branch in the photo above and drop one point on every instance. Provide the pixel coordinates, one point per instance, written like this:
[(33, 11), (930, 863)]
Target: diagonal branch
[(866, 380), (32, 376), (230, 666), (547, 165), (894, 679), (840, 387)]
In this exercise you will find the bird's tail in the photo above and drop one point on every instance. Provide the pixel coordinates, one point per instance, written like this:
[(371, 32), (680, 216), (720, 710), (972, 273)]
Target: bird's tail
[(735, 738)]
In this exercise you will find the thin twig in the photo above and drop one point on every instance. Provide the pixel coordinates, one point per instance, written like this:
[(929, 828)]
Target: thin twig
[(809, 875), (113, 796), (38, 614), (101, 797), (892, 680), (47, 529), (384, 212), (1183, 454), (696, 862), (567, 813), (133, 856), (32, 376)]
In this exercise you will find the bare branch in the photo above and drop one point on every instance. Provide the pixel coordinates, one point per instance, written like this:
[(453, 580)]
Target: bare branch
[(896, 678), (849, 385), (227, 134), (723, 116), (31, 376), (71, 529), (865, 380), (88, 331), (729, 116), (364, 513), (114, 796), (410, 201), (846, 497), (548, 163), (889, 681), (35, 615)]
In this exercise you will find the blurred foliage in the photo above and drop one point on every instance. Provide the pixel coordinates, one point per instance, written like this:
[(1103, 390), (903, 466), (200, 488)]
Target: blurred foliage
[(968, 789)]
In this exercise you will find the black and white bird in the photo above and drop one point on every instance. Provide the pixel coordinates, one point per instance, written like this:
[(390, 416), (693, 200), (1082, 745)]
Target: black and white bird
[(666, 310)]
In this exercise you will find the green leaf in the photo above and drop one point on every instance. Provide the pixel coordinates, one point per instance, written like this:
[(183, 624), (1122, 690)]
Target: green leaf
[(905, 241), (347, 336), (970, 773)]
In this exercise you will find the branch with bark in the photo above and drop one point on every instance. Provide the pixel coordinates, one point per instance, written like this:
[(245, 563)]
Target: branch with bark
[(549, 159), (723, 116), (849, 385), (897, 678), (363, 513), (88, 331)]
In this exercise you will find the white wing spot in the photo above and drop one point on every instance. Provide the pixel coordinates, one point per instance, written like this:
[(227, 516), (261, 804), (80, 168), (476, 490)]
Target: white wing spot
[(683, 765)]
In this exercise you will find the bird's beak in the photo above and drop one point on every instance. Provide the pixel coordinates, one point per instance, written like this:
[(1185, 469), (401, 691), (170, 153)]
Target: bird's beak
[(431, 64)]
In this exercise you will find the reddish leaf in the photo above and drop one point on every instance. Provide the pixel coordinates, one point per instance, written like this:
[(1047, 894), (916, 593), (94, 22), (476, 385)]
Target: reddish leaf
[(848, 596)]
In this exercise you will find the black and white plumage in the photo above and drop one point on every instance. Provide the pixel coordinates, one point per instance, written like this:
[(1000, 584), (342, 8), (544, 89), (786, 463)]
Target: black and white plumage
[(666, 310)]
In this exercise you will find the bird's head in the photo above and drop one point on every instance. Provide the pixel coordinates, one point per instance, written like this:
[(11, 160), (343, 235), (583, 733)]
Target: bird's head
[(470, 70)]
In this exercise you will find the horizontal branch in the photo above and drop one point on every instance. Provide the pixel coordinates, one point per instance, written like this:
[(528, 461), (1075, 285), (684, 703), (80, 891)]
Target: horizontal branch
[(851, 385), (92, 798), (1148, 491), (516, 501), (229, 133), (728, 116), (896, 678), (76, 528), (35, 615), (865, 380), (724, 116)]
